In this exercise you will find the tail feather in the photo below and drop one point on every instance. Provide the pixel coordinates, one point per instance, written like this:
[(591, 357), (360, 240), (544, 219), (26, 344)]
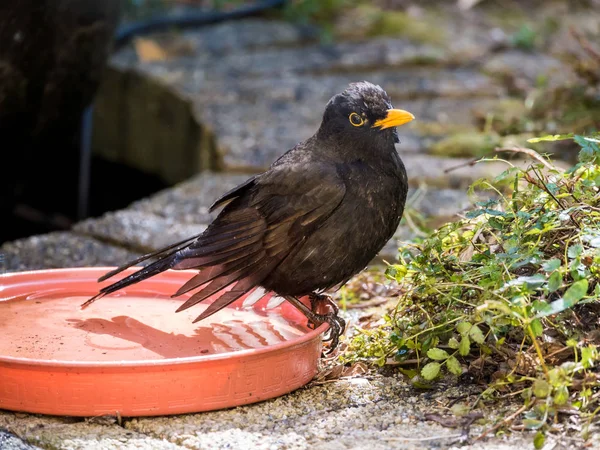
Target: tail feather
[(218, 280), (214, 287), (240, 288), (161, 252), (226, 299), (219, 270), (217, 259), (149, 271)]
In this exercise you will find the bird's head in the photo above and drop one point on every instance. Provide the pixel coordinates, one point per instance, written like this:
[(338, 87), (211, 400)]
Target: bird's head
[(363, 112)]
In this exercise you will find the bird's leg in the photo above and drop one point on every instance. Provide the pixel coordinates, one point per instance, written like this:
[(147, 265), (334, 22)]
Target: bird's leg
[(316, 299), (337, 325)]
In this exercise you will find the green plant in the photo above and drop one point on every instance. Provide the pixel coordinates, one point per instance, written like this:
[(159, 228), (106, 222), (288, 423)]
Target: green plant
[(525, 38), (316, 10), (509, 293)]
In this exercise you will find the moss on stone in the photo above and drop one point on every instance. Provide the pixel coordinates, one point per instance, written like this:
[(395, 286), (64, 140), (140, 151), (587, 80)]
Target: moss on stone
[(369, 20), (439, 129), (466, 144), (507, 116), (398, 23)]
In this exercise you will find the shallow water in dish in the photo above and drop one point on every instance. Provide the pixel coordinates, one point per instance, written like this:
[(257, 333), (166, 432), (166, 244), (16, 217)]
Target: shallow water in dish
[(133, 328)]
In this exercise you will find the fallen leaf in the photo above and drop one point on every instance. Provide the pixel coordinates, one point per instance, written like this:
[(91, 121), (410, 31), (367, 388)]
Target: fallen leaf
[(358, 368), (148, 50)]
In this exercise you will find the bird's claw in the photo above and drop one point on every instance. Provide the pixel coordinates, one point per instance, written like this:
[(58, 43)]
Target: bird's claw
[(317, 299), (337, 325)]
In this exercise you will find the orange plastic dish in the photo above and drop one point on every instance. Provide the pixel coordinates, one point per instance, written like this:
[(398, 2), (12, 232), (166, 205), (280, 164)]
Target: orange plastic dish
[(132, 355)]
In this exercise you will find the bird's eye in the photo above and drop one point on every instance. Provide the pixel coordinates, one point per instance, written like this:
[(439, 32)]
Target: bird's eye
[(356, 120)]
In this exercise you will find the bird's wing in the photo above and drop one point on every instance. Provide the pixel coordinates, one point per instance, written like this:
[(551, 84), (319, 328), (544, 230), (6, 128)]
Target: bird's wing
[(257, 230), (161, 255), (164, 258), (232, 194)]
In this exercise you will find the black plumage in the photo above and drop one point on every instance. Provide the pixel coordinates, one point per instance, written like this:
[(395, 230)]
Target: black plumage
[(314, 219)]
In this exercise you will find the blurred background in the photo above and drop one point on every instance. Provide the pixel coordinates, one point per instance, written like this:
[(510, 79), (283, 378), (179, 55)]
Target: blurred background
[(103, 103)]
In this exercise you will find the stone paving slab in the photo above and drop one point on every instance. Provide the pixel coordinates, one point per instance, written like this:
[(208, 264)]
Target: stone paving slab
[(9, 441), (260, 86), (138, 230), (188, 202), (58, 250), (48, 432), (256, 120), (372, 412)]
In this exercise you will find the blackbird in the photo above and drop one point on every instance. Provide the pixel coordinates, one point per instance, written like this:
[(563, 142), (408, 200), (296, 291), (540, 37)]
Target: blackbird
[(317, 217)]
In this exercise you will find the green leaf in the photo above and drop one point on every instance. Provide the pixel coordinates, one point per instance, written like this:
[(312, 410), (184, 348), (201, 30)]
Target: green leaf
[(463, 327), (396, 272), (541, 306), (474, 213), (437, 353), (551, 138), (410, 373), (555, 282), (453, 365), (554, 308), (430, 371), (495, 212), (524, 38), (552, 264), (430, 342), (574, 251), (489, 393), (532, 424), (510, 172), (419, 382), (589, 148), (555, 376), (489, 203), (465, 346), (571, 342), (588, 355), (594, 241), (561, 396), (453, 343), (576, 292), (531, 283), (541, 388), (460, 409), (537, 328), (538, 440), (496, 223), (476, 334)]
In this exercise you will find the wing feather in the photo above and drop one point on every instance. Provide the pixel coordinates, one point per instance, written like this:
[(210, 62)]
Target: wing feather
[(262, 221)]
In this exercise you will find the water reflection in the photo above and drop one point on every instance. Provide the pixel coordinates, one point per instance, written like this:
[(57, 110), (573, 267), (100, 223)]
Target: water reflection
[(136, 328)]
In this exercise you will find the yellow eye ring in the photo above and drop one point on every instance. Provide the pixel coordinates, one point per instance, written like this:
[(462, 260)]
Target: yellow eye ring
[(356, 120)]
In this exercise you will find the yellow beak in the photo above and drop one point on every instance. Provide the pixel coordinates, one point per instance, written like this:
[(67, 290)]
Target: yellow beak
[(394, 118)]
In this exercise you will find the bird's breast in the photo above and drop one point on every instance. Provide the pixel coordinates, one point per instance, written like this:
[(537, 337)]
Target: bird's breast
[(351, 237)]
